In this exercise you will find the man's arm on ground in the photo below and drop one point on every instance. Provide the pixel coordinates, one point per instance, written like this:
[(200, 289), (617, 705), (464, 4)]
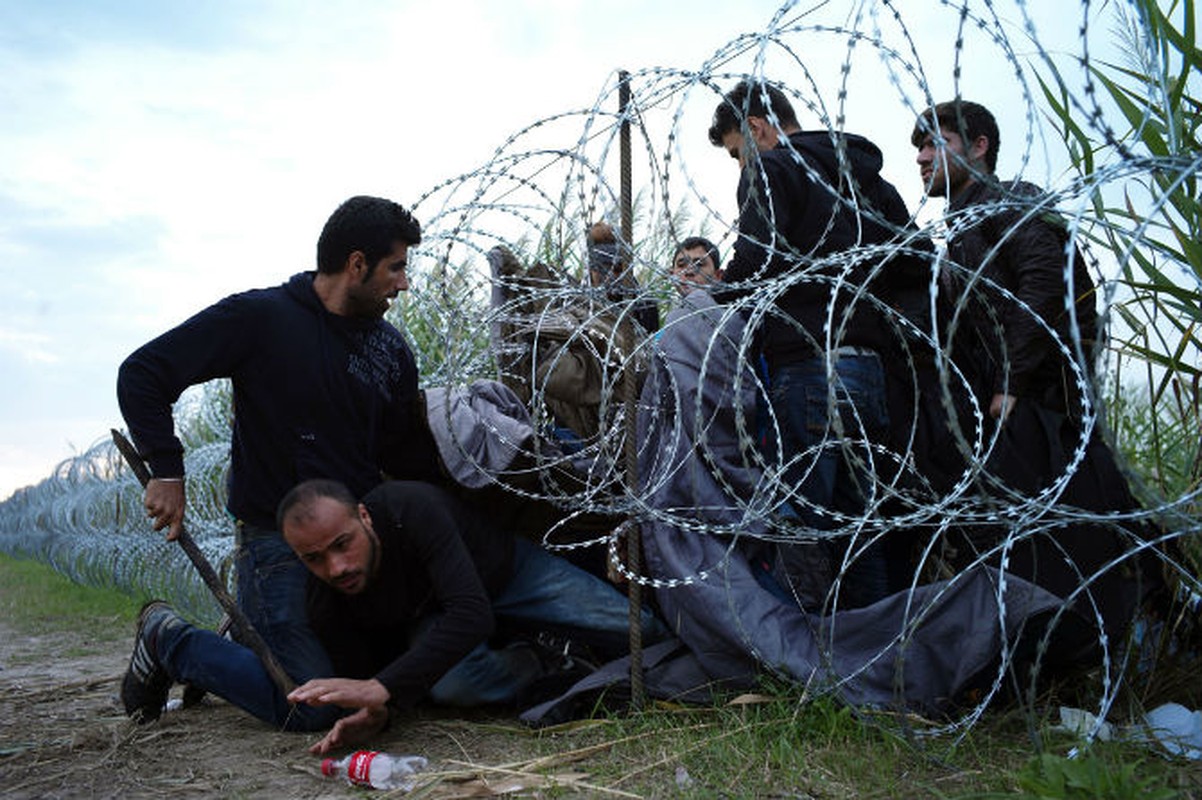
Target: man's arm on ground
[(366, 697)]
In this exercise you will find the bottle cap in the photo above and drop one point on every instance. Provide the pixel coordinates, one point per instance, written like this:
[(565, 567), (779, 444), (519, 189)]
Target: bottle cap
[(327, 766)]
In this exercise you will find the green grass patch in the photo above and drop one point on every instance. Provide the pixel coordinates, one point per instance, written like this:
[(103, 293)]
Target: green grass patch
[(782, 746), (34, 598)]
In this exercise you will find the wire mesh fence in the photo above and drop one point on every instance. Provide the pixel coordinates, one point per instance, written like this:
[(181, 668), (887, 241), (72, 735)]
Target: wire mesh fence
[(672, 430)]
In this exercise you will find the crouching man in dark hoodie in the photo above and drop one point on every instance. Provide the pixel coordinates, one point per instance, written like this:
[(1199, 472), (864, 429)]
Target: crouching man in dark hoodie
[(809, 203)]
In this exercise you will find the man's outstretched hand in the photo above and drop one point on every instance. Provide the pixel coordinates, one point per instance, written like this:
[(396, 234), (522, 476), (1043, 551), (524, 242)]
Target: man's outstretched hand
[(367, 697), (352, 729)]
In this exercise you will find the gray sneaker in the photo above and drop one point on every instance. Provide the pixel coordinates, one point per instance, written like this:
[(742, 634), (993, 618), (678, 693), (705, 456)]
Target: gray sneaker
[(146, 683)]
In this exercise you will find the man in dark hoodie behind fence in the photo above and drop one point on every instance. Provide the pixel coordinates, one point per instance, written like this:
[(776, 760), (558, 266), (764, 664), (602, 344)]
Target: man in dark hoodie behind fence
[(808, 201)]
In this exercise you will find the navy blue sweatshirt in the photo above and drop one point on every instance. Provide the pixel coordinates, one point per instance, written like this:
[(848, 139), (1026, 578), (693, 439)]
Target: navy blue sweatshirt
[(315, 395)]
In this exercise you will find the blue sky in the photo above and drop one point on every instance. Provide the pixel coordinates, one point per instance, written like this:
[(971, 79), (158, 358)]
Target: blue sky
[(156, 156)]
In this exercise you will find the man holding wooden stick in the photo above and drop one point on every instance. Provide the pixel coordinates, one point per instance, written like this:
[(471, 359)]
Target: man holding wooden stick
[(323, 387)]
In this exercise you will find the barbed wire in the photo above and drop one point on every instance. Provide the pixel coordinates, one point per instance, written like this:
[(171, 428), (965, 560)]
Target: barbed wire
[(501, 292)]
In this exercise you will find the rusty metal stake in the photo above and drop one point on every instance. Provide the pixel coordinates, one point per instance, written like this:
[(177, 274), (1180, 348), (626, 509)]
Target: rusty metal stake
[(634, 589)]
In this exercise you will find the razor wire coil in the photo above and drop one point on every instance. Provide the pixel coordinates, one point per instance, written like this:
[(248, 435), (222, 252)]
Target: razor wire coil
[(541, 190)]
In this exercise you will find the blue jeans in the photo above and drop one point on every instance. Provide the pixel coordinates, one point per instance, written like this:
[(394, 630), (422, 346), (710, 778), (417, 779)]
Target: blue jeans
[(271, 592), (824, 469), (546, 593)]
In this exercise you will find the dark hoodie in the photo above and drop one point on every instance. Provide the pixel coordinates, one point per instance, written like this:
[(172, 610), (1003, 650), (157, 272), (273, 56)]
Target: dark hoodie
[(316, 395), (794, 214)]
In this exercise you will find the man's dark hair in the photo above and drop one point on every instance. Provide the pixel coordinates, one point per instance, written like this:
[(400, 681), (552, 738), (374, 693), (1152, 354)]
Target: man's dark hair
[(371, 225), (747, 100), (299, 500), (964, 117), (711, 249)]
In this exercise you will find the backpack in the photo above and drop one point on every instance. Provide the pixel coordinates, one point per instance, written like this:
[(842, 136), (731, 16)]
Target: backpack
[(567, 352)]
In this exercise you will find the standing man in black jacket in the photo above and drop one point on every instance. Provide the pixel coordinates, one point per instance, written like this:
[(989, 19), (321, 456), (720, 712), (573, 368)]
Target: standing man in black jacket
[(804, 198), (1026, 329), (1019, 355), (322, 387)]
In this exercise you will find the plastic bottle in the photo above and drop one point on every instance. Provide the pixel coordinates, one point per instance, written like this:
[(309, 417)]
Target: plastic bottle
[(375, 770)]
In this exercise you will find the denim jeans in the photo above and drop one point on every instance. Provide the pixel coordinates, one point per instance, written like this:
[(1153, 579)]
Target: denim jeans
[(546, 593), (824, 469), (271, 592)]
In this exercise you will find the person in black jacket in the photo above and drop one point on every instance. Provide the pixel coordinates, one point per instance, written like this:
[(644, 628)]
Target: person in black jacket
[(409, 585), (1025, 336), (805, 198), (405, 591), (1021, 352), (609, 268), (322, 387)]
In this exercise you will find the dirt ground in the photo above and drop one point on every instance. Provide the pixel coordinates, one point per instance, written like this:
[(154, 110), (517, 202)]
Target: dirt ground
[(63, 734)]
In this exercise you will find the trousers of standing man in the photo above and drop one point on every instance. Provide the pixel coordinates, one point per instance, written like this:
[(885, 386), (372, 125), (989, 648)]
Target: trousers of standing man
[(825, 467)]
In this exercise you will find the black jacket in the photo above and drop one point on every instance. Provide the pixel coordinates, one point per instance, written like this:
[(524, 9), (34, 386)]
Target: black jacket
[(315, 395), (795, 212), (1032, 251), (642, 307), (429, 603)]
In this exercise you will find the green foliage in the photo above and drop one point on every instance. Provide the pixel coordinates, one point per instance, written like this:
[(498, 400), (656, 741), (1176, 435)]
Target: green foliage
[(34, 598), (1154, 230), (1088, 777), (1170, 469), (445, 320)]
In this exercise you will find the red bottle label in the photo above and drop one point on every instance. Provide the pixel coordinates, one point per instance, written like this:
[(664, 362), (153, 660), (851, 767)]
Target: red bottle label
[(358, 770)]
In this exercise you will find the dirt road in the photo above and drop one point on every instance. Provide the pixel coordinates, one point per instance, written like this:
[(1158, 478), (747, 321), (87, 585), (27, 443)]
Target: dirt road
[(63, 734)]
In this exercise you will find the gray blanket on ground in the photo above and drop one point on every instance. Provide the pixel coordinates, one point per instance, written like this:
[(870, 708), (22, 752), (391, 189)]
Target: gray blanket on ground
[(707, 504)]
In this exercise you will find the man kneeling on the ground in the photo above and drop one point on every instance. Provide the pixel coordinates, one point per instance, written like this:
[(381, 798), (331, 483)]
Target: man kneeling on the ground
[(409, 586)]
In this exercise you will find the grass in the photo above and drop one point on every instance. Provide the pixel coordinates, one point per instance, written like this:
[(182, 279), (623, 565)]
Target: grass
[(780, 747), (776, 744), (35, 599)]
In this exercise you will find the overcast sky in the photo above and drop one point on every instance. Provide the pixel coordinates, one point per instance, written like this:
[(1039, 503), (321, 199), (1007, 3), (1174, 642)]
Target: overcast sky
[(156, 155)]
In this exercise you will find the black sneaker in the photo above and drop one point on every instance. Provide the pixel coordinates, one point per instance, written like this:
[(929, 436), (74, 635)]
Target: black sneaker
[(146, 683), (561, 654), (559, 673)]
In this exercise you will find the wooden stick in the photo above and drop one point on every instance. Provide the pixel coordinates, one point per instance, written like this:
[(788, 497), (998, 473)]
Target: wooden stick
[(243, 630)]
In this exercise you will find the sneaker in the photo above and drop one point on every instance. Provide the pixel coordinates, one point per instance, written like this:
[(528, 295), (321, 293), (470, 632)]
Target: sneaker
[(561, 654), (146, 683), (559, 672)]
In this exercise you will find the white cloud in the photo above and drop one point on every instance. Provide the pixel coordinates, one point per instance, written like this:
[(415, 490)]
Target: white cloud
[(28, 347)]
